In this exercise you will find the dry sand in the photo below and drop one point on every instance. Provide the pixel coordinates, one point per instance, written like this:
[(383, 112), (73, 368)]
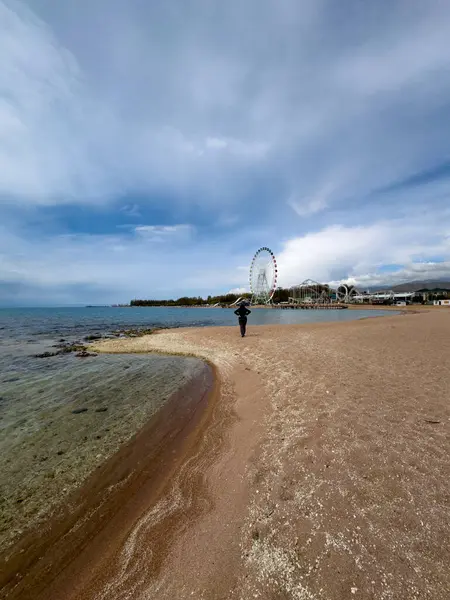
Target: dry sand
[(320, 470)]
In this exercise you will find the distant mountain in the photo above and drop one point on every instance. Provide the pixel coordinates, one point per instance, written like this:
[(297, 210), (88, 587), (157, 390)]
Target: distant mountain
[(413, 286), (427, 284)]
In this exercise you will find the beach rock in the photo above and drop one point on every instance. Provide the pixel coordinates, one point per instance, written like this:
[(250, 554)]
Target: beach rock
[(46, 354), (92, 337), (101, 409), (60, 452), (77, 411), (134, 332), (85, 354), (66, 348)]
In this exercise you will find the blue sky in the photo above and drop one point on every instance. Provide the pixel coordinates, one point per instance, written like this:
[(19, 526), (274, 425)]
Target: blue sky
[(147, 149)]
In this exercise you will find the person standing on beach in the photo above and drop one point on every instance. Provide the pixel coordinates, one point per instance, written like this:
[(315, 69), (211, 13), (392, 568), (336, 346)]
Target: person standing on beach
[(242, 313)]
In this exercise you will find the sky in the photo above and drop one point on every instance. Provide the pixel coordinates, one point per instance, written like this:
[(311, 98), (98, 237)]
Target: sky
[(148, 149)]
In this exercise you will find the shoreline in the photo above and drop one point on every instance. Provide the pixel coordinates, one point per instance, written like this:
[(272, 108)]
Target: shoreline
[(64, 416), (86, 530), (322, 427), (56, 449)]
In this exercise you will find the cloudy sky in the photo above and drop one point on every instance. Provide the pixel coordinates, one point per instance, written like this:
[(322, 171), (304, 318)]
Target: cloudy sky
[(147, 149)]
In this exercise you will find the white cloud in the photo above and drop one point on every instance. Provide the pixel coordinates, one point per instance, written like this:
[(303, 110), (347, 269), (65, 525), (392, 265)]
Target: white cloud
[(409, 272), (120, 266), (165, 233), (66, 137), (356, 253), (310, 207), (207, 120), (83, 121), (239, 148), (162, 229), (216, 143), (238, 290), (132, 210)]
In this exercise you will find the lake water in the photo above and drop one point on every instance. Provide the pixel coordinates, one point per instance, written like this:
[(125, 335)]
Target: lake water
[(25, 322)]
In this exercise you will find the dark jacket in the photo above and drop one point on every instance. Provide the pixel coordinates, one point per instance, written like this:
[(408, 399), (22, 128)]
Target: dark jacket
[(242, 312)]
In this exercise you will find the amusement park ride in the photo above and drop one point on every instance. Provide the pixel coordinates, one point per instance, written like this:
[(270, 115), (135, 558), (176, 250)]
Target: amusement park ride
[(309, 293), (263, 276)]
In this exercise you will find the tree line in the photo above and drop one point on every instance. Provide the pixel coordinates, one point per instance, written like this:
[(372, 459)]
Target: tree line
[(281, 295), (192, 301)]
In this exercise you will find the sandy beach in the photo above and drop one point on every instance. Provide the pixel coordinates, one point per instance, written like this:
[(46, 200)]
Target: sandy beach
[(316, 469)]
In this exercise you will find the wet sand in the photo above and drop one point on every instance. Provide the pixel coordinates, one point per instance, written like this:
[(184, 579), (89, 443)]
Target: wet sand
[(86, 530), (318, 470)]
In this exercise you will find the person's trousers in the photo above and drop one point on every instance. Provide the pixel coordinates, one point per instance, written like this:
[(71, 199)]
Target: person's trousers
[(243, 325)]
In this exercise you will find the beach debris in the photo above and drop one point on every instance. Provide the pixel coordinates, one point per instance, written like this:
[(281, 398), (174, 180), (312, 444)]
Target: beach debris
[(77, 411), (64, 348), (431, 421), (72, 348), (135, 332), (101, 409), (46, 354), (60, 452), (85, 354)]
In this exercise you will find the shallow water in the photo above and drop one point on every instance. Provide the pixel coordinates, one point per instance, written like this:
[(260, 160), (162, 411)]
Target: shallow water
[(46, 450)]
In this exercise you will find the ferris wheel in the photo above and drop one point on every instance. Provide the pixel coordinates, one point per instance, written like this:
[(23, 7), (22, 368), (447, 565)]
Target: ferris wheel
[(263, 276)]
